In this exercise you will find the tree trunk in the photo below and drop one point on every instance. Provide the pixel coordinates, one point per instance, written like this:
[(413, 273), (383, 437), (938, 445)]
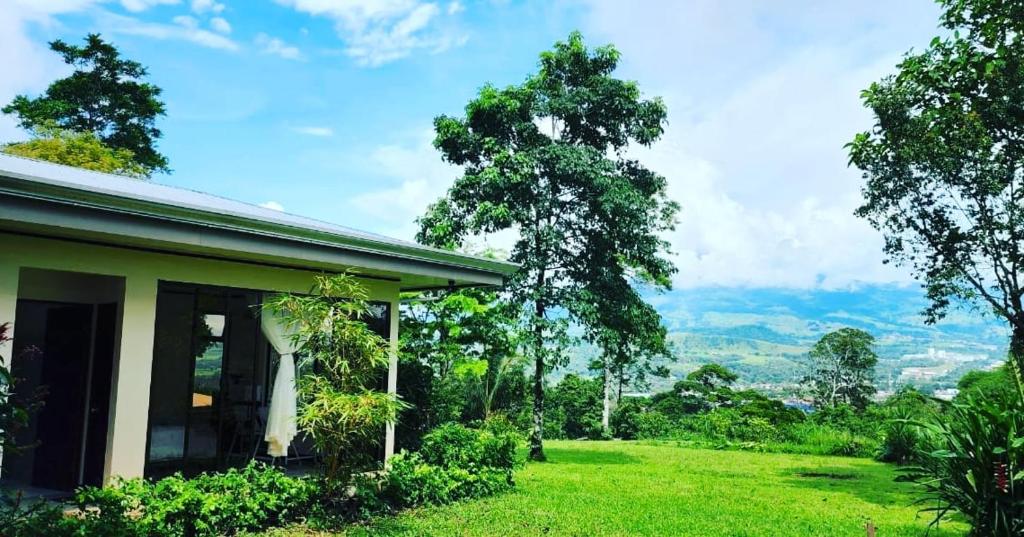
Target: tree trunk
[(1016, 357), (607, 412), (537, 435)]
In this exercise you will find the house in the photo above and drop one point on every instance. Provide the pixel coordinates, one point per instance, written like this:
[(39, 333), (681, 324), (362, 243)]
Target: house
[(136, 306)]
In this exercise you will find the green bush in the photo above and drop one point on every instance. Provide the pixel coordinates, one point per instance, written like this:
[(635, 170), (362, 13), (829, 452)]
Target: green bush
[(973, 465), (814, 438), (454, 463), (624, 417), (901, 436), (20, 518), (652, 425), (251, 499)]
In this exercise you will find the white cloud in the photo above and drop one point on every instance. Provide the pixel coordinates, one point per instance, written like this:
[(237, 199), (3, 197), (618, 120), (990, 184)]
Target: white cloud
[(220, 25), (272, 205), (418, 177), (180, 31), (314, 131), (206, 6), (186, 21), (277, 47), (381, 31), (761, 100), (137, 6), (455, 7)]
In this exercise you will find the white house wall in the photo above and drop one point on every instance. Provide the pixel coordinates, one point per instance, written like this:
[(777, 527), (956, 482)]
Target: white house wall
[(142, 270)]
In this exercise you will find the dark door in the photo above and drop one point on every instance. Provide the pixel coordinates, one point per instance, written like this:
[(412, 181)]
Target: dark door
[(64, 358), (97, 419), (65, 353)]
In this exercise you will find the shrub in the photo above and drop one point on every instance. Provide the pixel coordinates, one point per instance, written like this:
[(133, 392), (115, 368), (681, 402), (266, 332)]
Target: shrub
[(974, 465), (624, 418), (19, 518), (454, 463), (652, 425), (251, 499), (814, 438), (901, 436)]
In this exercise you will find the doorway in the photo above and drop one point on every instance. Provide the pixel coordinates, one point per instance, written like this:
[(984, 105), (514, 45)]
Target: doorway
[(63, 360)]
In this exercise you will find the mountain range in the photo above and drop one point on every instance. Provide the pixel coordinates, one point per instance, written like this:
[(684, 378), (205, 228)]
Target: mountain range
[(764, 334)]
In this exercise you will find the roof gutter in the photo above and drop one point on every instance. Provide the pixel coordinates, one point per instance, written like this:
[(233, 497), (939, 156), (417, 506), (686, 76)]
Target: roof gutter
[(11, 185)]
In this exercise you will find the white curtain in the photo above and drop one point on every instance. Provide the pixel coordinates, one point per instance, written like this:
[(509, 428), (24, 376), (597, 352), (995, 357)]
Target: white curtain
[(281, 429)]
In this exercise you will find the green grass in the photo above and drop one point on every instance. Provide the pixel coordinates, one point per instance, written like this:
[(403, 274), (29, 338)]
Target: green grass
[(629, 488)]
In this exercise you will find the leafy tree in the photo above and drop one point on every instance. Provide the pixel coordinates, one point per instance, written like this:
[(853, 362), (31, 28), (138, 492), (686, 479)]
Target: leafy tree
[(339, 408), (842, 369), (546, 159), (471, 339), (105, 96), (579, 399), (78, 149), (713, 376), (997, 384), (943, 162)]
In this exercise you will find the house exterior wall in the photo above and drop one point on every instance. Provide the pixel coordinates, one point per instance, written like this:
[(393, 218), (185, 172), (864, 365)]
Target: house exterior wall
[(142, 270)]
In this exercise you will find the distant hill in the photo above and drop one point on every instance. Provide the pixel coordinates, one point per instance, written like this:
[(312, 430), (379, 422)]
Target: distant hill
[(764, 333)]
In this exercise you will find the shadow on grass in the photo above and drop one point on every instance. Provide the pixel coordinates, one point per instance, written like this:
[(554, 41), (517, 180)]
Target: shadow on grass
[(865, 485), (581, 456)]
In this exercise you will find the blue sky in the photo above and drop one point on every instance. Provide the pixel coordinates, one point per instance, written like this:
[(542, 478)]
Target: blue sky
[(324, 107)]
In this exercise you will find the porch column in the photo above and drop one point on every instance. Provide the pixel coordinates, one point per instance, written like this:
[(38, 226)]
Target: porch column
[(8, 304), (129, 403), (389, 435)]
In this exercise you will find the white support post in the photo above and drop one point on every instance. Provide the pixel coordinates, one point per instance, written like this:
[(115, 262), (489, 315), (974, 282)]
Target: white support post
[(389, 434), (129, 404)]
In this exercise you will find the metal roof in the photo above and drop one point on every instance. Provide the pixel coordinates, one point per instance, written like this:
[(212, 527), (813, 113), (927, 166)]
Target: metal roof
[(27, 177)]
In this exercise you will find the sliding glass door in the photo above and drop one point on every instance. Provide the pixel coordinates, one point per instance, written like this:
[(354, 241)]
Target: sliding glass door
[(209, 378)]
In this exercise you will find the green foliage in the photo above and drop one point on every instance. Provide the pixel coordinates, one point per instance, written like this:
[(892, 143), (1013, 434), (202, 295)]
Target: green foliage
[(902, 438), (974, 465), (996, 384), (546, 158), (104, 97), (841, 369), (649, 425), (823, 439), (465, 349), (580, 402), (13, 413), (338, 406), (211, 505), (713, 376), (944, 177), (78, 149), (454, 463), (624, 419)]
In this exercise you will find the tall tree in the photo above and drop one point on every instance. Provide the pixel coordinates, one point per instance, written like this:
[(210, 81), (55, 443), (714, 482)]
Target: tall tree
[(944, 162), (841, 368), (105, 96), (546, 159)]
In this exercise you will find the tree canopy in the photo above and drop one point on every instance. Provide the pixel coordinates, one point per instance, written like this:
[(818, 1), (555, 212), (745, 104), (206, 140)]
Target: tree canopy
[(944, 162), (78, 149), (841, 369), (547, 159), (105, 96)]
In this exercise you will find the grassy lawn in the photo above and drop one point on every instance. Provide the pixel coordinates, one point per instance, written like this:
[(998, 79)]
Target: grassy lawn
[(627, 488)]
